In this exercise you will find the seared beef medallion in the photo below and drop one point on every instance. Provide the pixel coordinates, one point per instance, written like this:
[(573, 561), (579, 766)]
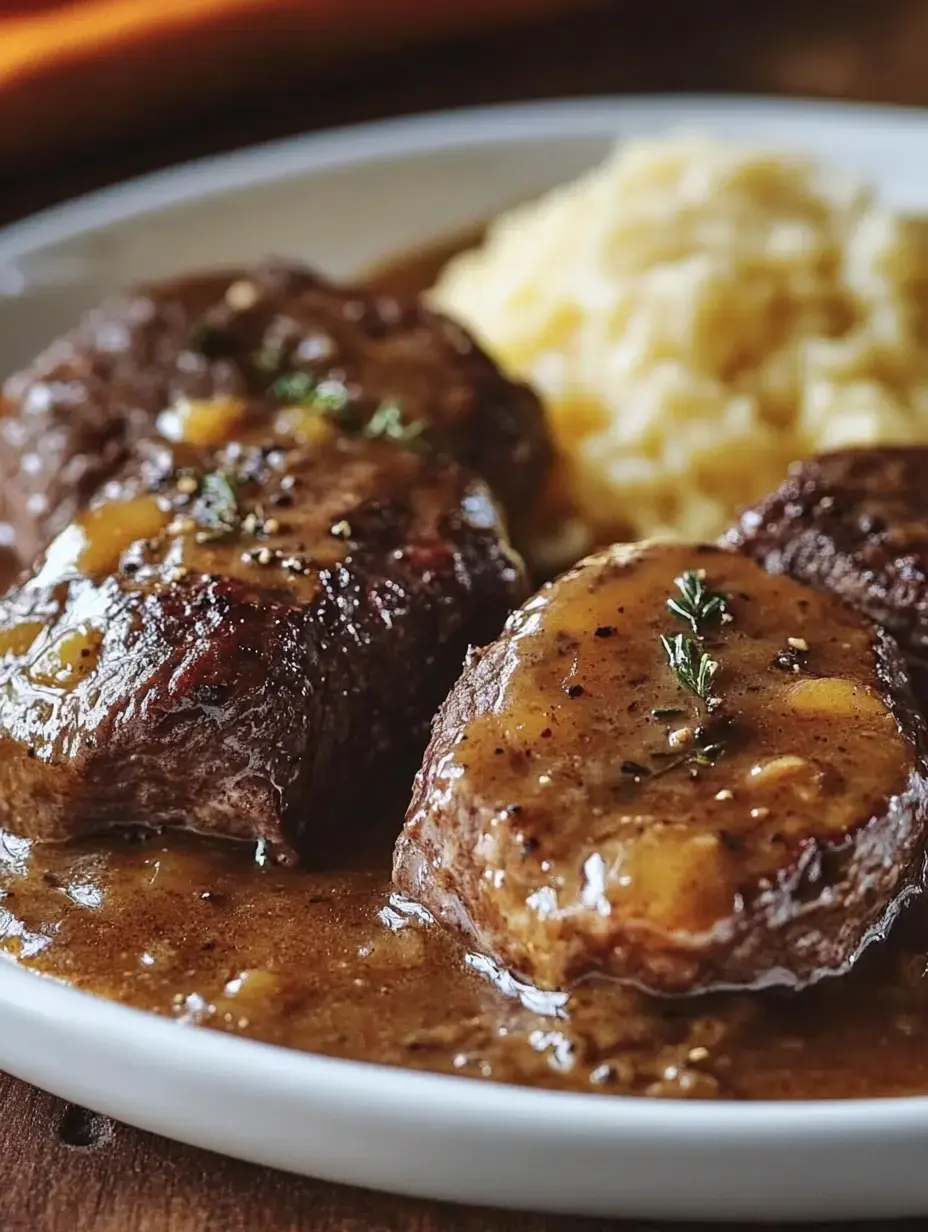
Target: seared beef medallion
[(854, 523), (674, 769), (71, 420), (286, 557)]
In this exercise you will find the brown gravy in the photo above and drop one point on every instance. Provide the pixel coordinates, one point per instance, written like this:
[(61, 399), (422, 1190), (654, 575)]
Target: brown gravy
[(411, 273), (325, 961)]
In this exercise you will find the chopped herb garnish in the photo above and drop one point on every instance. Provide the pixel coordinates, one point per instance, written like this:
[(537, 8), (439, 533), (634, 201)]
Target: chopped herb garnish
[(219, 506), (330, 398), (294, 387), (387, 422), (695, 670), (697, 604), (691, 666), (302, 389), (701, 754)]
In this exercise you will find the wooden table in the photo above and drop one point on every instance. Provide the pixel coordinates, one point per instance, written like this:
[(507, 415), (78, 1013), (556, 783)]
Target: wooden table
[(66, 1170)]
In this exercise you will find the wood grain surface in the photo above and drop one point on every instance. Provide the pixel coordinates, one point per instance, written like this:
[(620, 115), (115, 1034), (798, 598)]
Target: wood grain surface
[(67, 1170)]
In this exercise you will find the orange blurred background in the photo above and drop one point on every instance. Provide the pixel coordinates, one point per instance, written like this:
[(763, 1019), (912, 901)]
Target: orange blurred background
[(96, 91), (89, 71)]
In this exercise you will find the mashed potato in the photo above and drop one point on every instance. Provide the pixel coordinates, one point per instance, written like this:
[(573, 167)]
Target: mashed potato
[(696, 315)]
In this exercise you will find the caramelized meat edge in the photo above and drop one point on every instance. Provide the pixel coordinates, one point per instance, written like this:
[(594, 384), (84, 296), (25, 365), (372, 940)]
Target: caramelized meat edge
[(286, 552), (854, 523), (71, 420), (158, 670), (582, 809)]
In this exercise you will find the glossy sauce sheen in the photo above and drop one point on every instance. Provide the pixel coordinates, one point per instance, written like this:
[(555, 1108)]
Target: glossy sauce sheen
[(582, 810), (287, 533), (325, 962)]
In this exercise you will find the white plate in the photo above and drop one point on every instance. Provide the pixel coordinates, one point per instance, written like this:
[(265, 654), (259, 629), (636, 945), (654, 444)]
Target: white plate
[(343, 199)]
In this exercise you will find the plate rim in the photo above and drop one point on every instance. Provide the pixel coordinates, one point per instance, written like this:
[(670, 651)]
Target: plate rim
[(449, 128), (436, 1096)]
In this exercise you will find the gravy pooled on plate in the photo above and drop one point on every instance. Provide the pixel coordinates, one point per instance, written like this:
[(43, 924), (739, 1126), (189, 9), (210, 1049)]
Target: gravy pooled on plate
[(330, 962)]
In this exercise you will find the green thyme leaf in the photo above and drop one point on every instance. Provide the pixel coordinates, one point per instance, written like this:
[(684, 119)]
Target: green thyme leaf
[(302, 389), (691, 666), (217, 506), (387, 423), (698, 605)]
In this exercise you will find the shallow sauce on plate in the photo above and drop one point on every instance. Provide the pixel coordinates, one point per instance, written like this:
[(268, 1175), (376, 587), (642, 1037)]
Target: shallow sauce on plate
[(327, 961)]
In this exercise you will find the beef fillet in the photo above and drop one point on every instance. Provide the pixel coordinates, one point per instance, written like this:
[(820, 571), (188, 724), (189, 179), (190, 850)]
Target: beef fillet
[(246, 647), (289, 544), (71, 420), (854, 523), (595, 800)]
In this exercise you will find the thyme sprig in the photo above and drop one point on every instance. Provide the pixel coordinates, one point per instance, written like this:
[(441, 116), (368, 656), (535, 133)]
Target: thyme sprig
[(666, 712), (694, 669), (330, 398), (387, 422), (219, 506), (691, 666), (302, 389), (705, 752), (698, 604)]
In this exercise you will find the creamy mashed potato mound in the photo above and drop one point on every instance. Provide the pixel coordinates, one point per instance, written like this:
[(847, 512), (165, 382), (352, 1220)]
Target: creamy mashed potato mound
[(696, 315)]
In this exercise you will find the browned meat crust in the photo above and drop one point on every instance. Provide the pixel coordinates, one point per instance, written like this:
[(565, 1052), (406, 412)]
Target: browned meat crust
[(854, 523), (70, 421), (578, 811), (274, 585), (243, 699)]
